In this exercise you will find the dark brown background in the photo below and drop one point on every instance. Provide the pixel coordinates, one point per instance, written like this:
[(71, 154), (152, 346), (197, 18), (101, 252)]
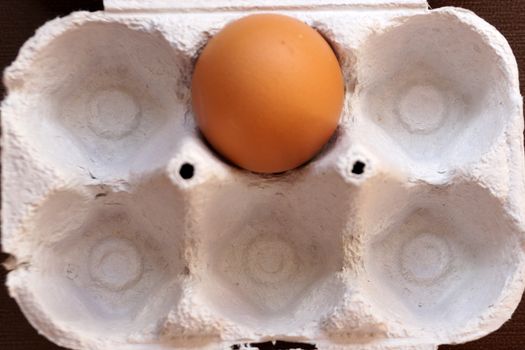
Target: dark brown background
[(19, 19)]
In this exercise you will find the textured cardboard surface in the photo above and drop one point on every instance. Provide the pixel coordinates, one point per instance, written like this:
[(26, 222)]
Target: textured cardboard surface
[(18, 20)]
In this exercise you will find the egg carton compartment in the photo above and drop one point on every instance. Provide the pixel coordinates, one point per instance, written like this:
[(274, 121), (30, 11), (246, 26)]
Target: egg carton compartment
[(271, 259), (101, 100), (434, 92), (129, 231), (104, 264), (439, 258)]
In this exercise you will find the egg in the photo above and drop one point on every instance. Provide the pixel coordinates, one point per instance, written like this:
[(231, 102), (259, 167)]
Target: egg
[(267, 92)]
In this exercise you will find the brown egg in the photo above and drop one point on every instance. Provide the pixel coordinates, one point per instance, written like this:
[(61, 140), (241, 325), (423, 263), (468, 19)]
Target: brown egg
[(267, 92)]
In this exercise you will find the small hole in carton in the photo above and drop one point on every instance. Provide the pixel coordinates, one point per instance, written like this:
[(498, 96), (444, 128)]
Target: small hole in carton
[(187, 171), (358, 168)]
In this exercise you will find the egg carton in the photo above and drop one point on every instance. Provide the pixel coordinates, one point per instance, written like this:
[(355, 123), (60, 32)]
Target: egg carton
[(127, 231)]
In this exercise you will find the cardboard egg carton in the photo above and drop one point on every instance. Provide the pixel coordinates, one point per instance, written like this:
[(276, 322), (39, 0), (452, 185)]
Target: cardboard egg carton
[(128, 232)]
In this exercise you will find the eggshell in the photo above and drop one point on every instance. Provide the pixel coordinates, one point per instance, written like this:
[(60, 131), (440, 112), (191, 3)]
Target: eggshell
[(267, 92)]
